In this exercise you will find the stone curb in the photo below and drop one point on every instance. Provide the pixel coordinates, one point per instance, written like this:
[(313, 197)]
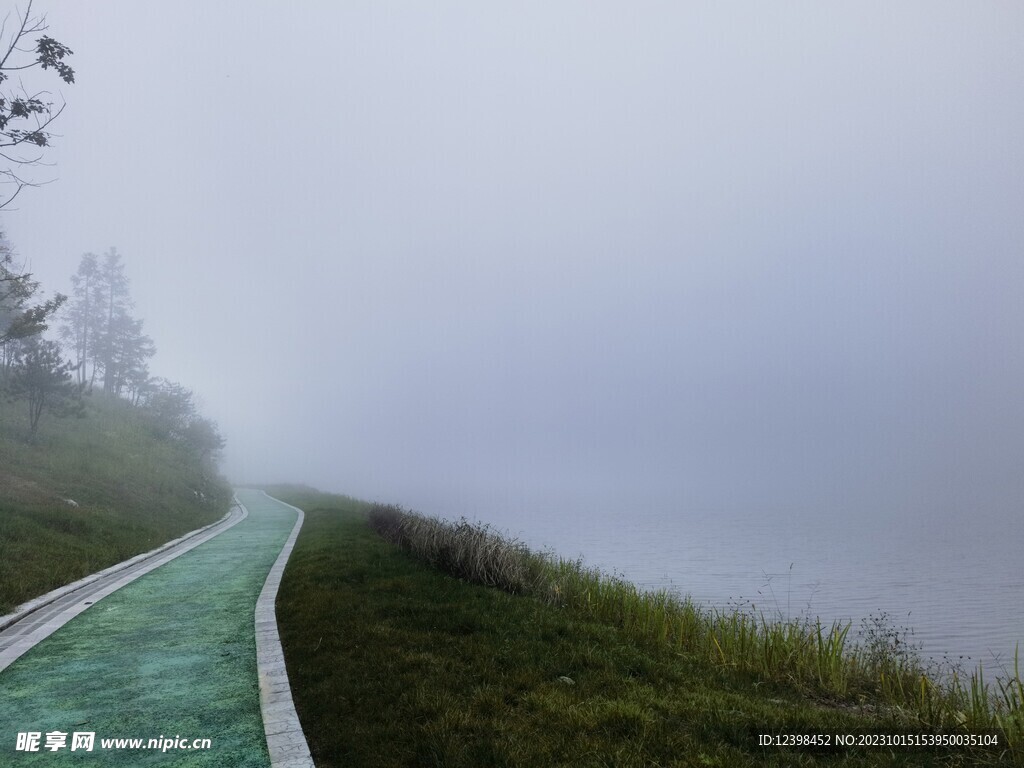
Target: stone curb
[(35, 604), (285, 739), (36, 620)]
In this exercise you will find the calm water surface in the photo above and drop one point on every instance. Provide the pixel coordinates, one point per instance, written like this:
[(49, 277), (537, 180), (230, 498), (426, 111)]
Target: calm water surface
[(957, 584)]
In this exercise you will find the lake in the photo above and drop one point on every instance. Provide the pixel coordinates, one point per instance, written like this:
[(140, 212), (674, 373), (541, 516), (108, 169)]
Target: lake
[(958, 584)]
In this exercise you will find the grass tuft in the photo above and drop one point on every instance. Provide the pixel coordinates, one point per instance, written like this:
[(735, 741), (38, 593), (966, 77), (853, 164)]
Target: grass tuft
[(815, 658), (394, 662)]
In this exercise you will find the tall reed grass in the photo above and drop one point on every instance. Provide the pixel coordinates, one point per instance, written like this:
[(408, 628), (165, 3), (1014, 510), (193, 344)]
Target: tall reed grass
[(821, 658)]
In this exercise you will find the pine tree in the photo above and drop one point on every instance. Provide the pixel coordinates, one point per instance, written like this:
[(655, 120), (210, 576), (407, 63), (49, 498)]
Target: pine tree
[(119, 348), (83, 318), (20, 318)]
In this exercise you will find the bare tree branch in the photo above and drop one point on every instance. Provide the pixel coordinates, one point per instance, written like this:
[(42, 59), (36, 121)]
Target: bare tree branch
[(23, 29), (25, 118)]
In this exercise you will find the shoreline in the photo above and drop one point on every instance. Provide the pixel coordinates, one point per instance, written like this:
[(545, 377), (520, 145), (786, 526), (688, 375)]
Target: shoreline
[(651, 661)]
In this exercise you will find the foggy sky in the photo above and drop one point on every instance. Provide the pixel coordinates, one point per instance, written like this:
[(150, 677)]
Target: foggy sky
[(567, 255)]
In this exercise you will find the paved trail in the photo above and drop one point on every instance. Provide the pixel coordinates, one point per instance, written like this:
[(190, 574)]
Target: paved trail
[(170, 655)]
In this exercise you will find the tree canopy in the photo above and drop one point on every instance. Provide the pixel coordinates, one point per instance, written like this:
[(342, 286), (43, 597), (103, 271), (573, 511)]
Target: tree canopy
[(108, 341), (43, 377), (23, 313), (108, 347), (26, 116)]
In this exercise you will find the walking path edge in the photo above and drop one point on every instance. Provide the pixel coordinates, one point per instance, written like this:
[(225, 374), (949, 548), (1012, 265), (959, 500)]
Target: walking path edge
[(39, 618), (285, 740)]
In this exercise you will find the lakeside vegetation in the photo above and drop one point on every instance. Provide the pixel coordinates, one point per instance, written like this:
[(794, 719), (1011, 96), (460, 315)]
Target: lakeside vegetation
[(821, 659), (552, 664)]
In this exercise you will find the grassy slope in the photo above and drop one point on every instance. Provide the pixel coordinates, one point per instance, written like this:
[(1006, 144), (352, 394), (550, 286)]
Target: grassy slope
[(134, 493), (172, 653), (393, 663)]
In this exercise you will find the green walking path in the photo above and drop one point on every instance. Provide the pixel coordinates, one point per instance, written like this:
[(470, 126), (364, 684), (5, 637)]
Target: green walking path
[(170, 655)]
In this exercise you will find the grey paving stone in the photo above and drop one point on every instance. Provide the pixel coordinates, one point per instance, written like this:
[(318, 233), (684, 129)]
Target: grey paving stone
[(286, 742)]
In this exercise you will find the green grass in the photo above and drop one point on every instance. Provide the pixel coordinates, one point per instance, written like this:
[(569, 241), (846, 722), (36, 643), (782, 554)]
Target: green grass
[(394, 662), (171, 654), (818, 659), (134, 493)]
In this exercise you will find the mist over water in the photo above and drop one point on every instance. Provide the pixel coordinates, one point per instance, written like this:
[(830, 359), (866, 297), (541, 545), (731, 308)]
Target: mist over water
[(955, 585), (695, 291)]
